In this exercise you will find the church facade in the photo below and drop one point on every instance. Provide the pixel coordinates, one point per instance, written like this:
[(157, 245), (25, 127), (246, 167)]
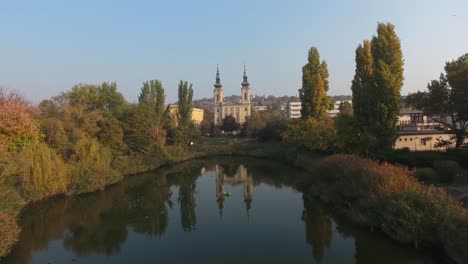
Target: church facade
[(239, 110)]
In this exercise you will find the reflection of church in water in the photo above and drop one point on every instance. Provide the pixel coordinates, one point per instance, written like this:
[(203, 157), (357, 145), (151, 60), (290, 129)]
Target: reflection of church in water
[(241, 177)]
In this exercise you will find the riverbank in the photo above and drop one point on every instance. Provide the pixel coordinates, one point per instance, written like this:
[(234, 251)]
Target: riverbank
[(12, 203), (379, 196), (367, 193)]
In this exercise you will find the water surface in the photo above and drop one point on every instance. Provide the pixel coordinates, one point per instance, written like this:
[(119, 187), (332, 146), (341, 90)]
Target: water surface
[(183, 215)]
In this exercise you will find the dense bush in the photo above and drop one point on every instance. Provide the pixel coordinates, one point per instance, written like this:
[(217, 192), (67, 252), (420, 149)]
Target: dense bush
[(40, 172), (447, 170), (92, 169), (427, 175), (317, 135), (455, 239), (384, 196), (9, 233), (10, 201)]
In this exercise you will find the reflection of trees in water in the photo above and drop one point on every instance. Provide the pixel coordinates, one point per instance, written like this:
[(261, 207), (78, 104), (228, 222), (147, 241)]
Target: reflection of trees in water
[(96, 223), (318, 225), (151, 216), (374, 247), (40, 223), (186, 180)]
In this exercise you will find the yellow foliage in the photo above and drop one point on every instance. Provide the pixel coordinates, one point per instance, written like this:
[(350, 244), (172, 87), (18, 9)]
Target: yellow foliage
[(41, 172), (9, 233)]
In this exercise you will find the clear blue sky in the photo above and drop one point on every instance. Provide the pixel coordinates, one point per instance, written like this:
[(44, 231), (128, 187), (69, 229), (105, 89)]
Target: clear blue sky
[(48, 46)]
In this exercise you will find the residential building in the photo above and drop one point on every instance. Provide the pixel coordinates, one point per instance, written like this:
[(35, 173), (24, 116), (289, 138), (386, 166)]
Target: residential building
[(418, 132), (260, 108), (293, 110), (197, 114), (336, 107)]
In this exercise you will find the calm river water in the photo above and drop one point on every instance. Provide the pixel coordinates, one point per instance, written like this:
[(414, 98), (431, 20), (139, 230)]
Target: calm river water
[(224, 211)]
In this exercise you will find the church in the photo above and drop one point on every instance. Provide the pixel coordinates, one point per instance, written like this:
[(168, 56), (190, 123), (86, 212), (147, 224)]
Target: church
[(239, 110)]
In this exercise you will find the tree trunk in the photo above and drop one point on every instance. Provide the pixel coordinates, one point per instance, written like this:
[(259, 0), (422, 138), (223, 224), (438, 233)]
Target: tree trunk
[(459, 140)]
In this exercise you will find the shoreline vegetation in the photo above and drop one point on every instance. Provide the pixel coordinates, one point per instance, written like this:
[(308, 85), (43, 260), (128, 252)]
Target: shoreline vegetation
[(367, 193)]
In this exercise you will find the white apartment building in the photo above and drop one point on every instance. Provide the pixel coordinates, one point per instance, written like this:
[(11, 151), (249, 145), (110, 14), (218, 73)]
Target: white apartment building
[(293, 110), (260, 108)]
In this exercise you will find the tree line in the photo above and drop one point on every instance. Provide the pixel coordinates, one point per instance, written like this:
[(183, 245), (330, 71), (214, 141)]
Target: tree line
[(370, 126), (84, 140)]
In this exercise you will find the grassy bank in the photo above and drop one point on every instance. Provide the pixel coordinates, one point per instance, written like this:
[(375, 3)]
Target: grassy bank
[(366, 192), (379, 196), (89, 177), (389, 198)]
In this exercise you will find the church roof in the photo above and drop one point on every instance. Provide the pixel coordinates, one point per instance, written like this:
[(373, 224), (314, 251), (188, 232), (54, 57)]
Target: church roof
[(231, 103)]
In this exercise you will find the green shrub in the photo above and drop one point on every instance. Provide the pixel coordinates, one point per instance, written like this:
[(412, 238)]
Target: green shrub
[(87, 176), (9, 233), (455, 239), (40, 172), (447, 170), (383, 196), (427, 175), (91, 170), (316, 135)]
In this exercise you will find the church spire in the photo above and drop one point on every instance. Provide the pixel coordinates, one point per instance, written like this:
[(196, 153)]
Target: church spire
[(245, 83), (218, 79)]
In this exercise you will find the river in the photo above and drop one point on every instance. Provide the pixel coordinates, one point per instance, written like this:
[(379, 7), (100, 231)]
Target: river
[(202, 211)]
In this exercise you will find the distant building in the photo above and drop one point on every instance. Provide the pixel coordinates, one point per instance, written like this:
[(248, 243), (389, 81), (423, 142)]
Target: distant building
[(239, 110), (336, 107), (260, 108), (293, 110), (197, 114), (418, 132)]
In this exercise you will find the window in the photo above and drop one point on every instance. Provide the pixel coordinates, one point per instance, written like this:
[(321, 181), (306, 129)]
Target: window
[(245, 96), (423, 142), (246, 109), (217, 97)]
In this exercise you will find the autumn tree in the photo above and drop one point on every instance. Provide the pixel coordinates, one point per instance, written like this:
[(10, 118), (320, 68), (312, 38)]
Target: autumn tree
[(446, 99), (377, 84), (17, 125), (313, 93), (152, 95)]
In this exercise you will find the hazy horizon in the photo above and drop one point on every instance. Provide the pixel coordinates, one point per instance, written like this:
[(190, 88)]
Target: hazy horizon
[(49, 46)]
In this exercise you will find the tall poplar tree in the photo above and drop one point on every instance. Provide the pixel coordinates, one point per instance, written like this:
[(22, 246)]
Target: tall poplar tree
[(388, 80), (377, 85), (313, 93), (152, 95), (185, 103), (362, 82)]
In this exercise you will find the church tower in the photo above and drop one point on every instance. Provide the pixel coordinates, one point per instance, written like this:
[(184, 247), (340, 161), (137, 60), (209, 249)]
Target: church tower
[(218, 99), (245, 90)]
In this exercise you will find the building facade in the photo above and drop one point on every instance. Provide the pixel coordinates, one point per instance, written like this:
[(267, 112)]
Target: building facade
[(239, 110), (260, 108), (418, 132), (197, 114), (293, 110)]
